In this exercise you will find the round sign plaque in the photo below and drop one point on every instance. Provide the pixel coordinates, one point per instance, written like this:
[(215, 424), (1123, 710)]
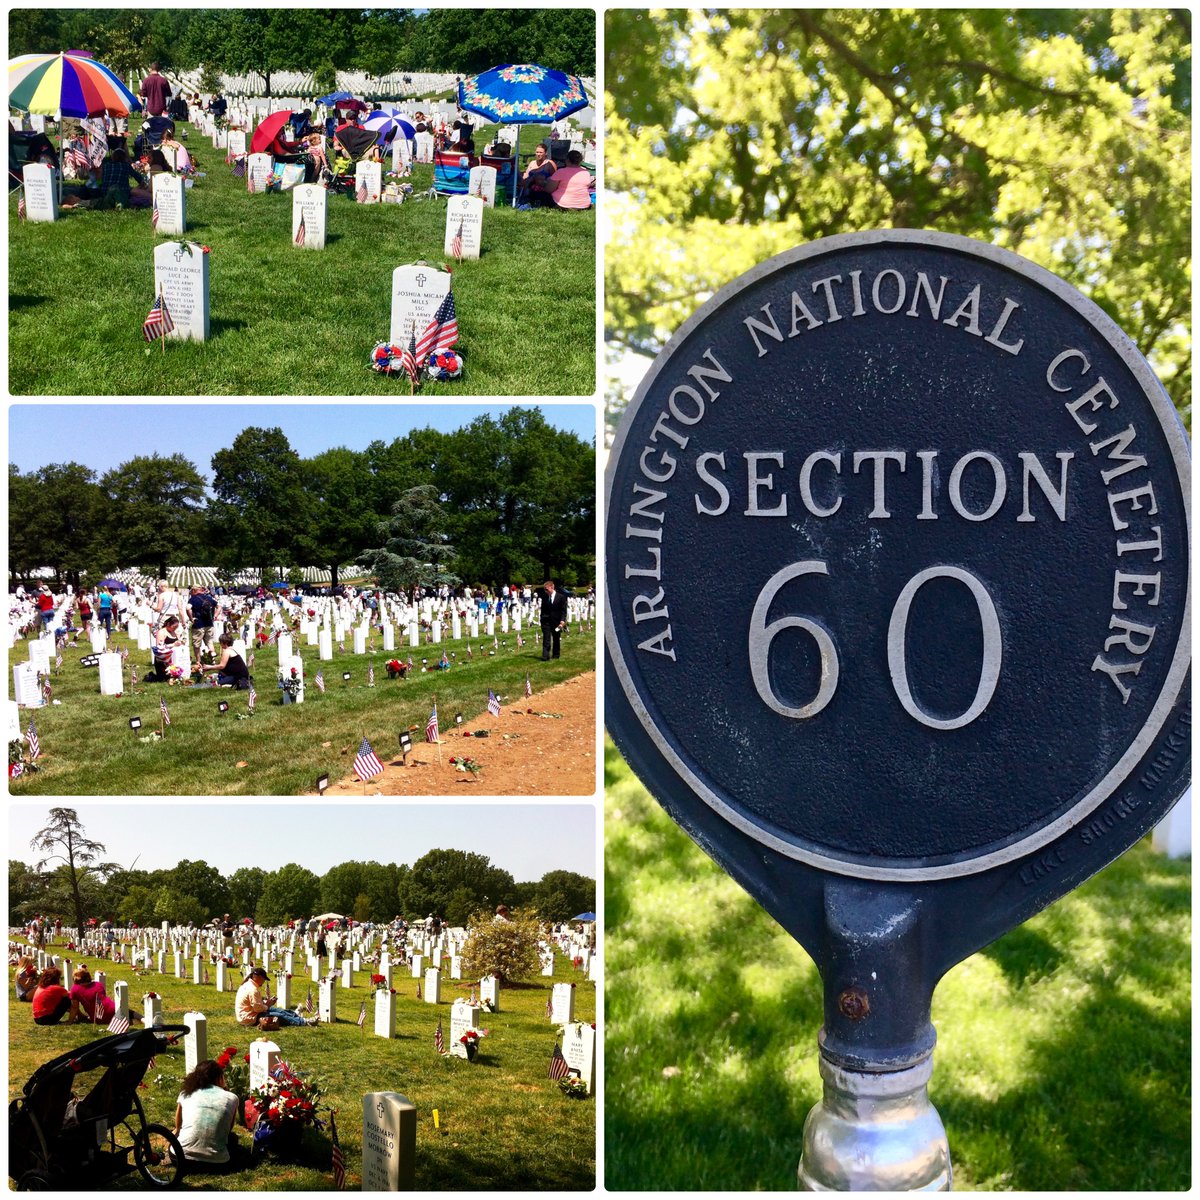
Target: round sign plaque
[(897, 559)]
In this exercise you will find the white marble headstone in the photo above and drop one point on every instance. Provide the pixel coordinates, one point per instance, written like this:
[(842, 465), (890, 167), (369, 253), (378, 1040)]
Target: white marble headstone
[(368, 176), (170, 198), (389, 1142), (181, 274), (310, 205), (41, 198), (258, 172), (483, 184), (417, 291), (464, 221)]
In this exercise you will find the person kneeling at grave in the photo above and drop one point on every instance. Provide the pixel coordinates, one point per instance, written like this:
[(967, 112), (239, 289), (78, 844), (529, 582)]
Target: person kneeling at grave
[(250, 1007), (165, 641), (26, 980), (204, 1117), (89, 1002), (231, 670)]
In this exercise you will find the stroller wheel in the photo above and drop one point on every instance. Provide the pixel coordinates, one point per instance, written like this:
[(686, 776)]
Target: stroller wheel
[(158, 1156), (34, 1181)]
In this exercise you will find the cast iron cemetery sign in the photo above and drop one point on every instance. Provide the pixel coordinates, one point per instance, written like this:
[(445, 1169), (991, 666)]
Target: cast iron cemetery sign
[(898, 614)]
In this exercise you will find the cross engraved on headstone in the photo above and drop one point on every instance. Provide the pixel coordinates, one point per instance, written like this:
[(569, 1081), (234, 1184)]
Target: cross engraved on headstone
[(421, 280)]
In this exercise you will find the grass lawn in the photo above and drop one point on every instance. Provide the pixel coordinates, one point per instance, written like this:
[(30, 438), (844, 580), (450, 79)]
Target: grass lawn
[(504, 1125), (292, 321), (1064, 1049), (89, 749)]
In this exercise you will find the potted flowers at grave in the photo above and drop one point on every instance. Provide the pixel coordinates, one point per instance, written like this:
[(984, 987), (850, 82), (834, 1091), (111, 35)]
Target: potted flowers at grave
[(395, 668), (470, 1042), (279, 1109), (174, 676), (289, 684), (380, 984), (573, 1087)]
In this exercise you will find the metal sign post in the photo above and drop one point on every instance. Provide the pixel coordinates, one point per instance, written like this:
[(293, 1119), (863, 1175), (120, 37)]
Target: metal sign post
[(897, 572)]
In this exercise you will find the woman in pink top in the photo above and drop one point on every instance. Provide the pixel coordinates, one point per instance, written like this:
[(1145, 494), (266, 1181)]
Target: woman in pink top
[(88, 1000), (568, 186)]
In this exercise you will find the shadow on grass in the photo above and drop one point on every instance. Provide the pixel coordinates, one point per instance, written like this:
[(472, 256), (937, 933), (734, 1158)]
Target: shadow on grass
[(21, 301), (713, 1014)]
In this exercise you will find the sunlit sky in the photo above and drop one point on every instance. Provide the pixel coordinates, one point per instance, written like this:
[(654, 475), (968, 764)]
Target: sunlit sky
[(102, 436), (526, 840)]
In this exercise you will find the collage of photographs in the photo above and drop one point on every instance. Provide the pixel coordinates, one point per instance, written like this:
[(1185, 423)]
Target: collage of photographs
[(626, 571)]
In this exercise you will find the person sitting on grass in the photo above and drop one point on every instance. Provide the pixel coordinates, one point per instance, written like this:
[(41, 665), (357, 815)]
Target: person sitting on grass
[(250, 1007), (535, 175), (51, 1001), (165, 641), (204, 1117), (115, 177), (231, 669), (26, 980), (568, 187), (88, 1000)]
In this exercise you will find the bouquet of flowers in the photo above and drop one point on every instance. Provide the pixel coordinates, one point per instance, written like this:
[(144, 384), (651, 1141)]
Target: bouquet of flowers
[(466, 764), (174, 674), (471, 1040), (237, 1074), (289, 683), (380, 983), (282, 1106), (573, 1086)]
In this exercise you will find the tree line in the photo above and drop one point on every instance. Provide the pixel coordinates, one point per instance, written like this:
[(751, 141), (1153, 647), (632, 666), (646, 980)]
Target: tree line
[(316, 41), (1063, 135), (511, 498), (72, 882)]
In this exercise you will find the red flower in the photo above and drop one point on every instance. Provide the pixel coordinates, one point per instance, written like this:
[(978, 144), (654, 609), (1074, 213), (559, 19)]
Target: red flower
[(246, 1056)]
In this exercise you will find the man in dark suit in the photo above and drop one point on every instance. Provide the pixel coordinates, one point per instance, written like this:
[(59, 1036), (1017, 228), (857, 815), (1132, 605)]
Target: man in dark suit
[(553, 618)]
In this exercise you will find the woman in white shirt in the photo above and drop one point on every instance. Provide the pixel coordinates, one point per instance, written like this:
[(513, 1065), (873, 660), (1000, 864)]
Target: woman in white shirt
[(204, 1117)]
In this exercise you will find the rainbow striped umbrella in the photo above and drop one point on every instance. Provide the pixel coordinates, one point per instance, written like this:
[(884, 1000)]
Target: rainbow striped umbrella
[(67, 85)]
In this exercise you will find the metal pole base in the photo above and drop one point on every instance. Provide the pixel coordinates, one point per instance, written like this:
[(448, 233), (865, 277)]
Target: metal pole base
[(875, 1133)]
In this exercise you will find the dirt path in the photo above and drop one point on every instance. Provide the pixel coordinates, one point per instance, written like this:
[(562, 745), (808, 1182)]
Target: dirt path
[(524, 754)]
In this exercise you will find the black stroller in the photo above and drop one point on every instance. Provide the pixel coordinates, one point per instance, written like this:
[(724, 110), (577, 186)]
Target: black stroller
[(59, 1139)]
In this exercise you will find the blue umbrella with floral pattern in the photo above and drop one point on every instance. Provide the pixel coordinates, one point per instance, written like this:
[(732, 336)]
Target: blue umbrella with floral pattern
[(522, 94)]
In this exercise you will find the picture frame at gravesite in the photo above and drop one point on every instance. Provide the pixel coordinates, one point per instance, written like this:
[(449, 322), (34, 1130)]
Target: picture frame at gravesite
[(957, 631)]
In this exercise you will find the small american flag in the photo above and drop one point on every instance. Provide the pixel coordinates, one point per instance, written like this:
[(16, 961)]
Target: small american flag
[(528, 687), (162, 704), (239, 166), (124, 656), (21, 206), (370, 675), (558, 1064), (441, 333), (493, 703), (308, 1004), (361, 194), (495, 642), (154, 216), (58, 660), (410, 662), (16, 770), (319, 680), (301, 232), (443, 662), (408, 358), (118, 1024), (366, 764), (439, 1042), (250, 660), (418, 989), (362, 1014), (339, 1161), (456, 247), (251, 698), (158, 321), (431, 726), (341, 647), (133, 677), (520, 641), (470, 652), (47, 691)]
